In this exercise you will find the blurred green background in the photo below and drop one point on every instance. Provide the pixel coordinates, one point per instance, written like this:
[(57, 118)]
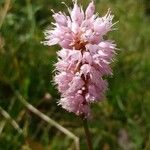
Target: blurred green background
[(121, 122)]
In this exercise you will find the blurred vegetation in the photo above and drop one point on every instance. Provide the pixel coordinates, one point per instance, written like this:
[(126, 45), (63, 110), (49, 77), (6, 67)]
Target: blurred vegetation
[(121, 122)]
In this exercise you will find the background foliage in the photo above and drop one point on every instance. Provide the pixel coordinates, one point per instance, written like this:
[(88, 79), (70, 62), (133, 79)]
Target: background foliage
[(119, 123)]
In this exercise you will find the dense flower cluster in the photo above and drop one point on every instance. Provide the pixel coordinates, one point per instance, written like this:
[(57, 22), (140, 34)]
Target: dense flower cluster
[(84, 59)]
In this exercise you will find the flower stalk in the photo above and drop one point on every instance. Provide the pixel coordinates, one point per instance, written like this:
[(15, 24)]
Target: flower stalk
[(87, 134)]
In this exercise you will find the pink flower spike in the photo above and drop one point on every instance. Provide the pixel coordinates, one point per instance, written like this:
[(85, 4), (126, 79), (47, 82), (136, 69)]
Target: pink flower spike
[(84, 59)]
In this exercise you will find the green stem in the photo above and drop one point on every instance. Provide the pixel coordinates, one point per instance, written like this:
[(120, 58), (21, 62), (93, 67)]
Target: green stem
[(87, 134)]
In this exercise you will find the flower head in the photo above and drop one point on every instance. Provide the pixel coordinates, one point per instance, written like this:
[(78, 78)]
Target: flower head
[(84, 59)]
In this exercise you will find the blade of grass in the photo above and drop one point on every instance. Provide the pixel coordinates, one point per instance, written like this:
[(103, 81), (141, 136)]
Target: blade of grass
[(2, 125), (11, 121), (48, 120), (4, 12)]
